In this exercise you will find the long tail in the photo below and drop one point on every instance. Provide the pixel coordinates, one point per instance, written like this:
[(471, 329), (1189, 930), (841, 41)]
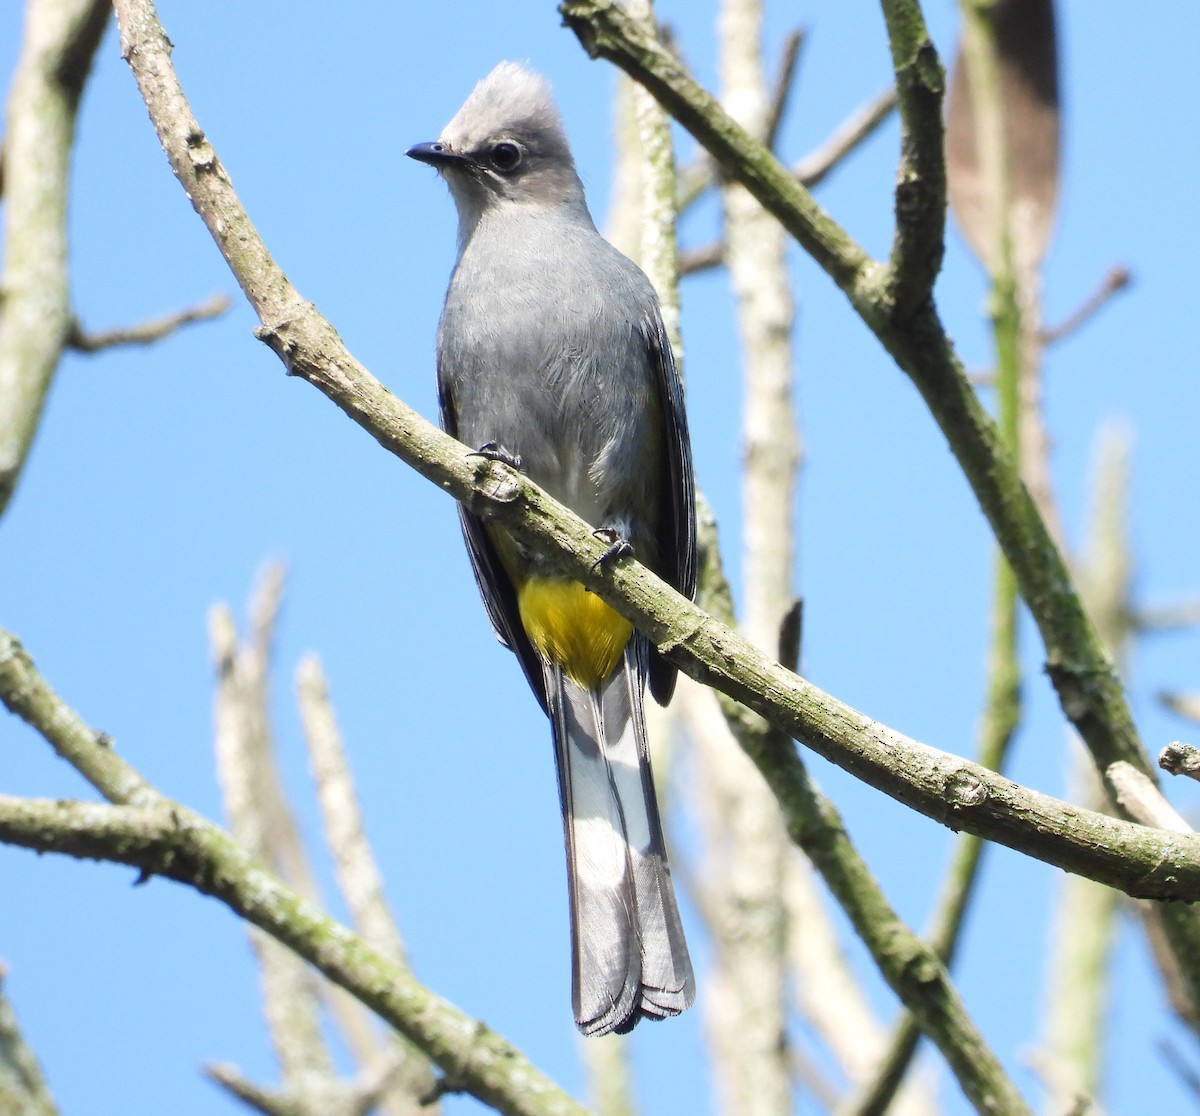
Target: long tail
[(629, 957)]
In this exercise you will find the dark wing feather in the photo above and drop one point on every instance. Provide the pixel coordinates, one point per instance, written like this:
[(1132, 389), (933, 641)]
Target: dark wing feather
[(495, 587), (676, 530)]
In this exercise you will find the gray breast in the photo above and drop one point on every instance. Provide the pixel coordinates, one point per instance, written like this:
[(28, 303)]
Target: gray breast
[(543, 351)]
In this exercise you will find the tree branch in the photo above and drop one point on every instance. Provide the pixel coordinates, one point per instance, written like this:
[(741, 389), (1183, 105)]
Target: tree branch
[(746, 847), (785, 80), (167, 839), (360, 883), (147, 332), (23, 1089), (1116, 279), (919, 237), (164, 838), (815, 167), (35, 318), (261, 821)]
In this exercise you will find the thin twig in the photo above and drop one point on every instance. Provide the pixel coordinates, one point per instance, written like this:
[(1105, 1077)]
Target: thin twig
[(1181, 1067), (845, 139), (147, 332), (351, 1098), (1167, 618), (1117, 279), (809, 171), (1186, 705), (692, 260), (785, 80)]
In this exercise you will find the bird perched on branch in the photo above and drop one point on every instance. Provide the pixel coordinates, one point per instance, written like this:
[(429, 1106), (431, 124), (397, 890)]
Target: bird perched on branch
[(552, 357)]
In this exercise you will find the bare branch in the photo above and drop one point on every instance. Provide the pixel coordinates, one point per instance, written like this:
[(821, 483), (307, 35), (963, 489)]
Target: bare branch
[(747, 847), (260, 820), (1181, 1067), (1186, 705), (1167, 618), (60, 38), (1143, 800), (359, 881), (863, 123), (606, 1059), (339, 1099), (692, 260), (23, 1089), (1117, 279), (816, 828), (809, 171), (147, 332), (785, 80), (918, 239)]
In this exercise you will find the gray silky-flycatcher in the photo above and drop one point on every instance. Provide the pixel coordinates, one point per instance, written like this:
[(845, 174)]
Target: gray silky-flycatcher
[(551, 354)]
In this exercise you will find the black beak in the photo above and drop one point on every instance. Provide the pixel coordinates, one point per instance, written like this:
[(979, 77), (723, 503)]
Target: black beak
[(438, 155)]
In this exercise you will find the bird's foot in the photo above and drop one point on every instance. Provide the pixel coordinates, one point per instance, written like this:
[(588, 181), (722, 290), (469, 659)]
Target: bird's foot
[(494, 451), (618, 547)]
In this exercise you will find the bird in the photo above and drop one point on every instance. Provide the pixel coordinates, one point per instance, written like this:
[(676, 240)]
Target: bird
[(552, 357)]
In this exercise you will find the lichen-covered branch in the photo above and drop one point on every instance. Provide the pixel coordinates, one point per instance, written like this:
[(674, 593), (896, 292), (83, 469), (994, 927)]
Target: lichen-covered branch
[(1088, 689), (606, 29), (919, 235)]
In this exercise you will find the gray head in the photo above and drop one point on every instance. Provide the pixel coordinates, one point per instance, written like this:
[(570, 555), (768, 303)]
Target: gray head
[(505, 147)]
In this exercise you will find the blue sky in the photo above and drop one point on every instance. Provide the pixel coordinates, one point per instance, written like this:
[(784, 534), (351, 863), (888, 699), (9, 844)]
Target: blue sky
[(163, 478)]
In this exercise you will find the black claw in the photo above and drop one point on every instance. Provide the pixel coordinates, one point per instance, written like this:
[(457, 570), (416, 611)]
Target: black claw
[(617, 547), (494, 451)]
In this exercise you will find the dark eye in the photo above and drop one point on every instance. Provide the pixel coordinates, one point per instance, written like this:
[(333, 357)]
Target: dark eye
[(506, 156)]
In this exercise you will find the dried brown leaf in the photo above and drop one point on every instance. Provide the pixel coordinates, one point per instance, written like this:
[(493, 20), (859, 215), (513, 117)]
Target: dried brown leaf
[(1027, 61)]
